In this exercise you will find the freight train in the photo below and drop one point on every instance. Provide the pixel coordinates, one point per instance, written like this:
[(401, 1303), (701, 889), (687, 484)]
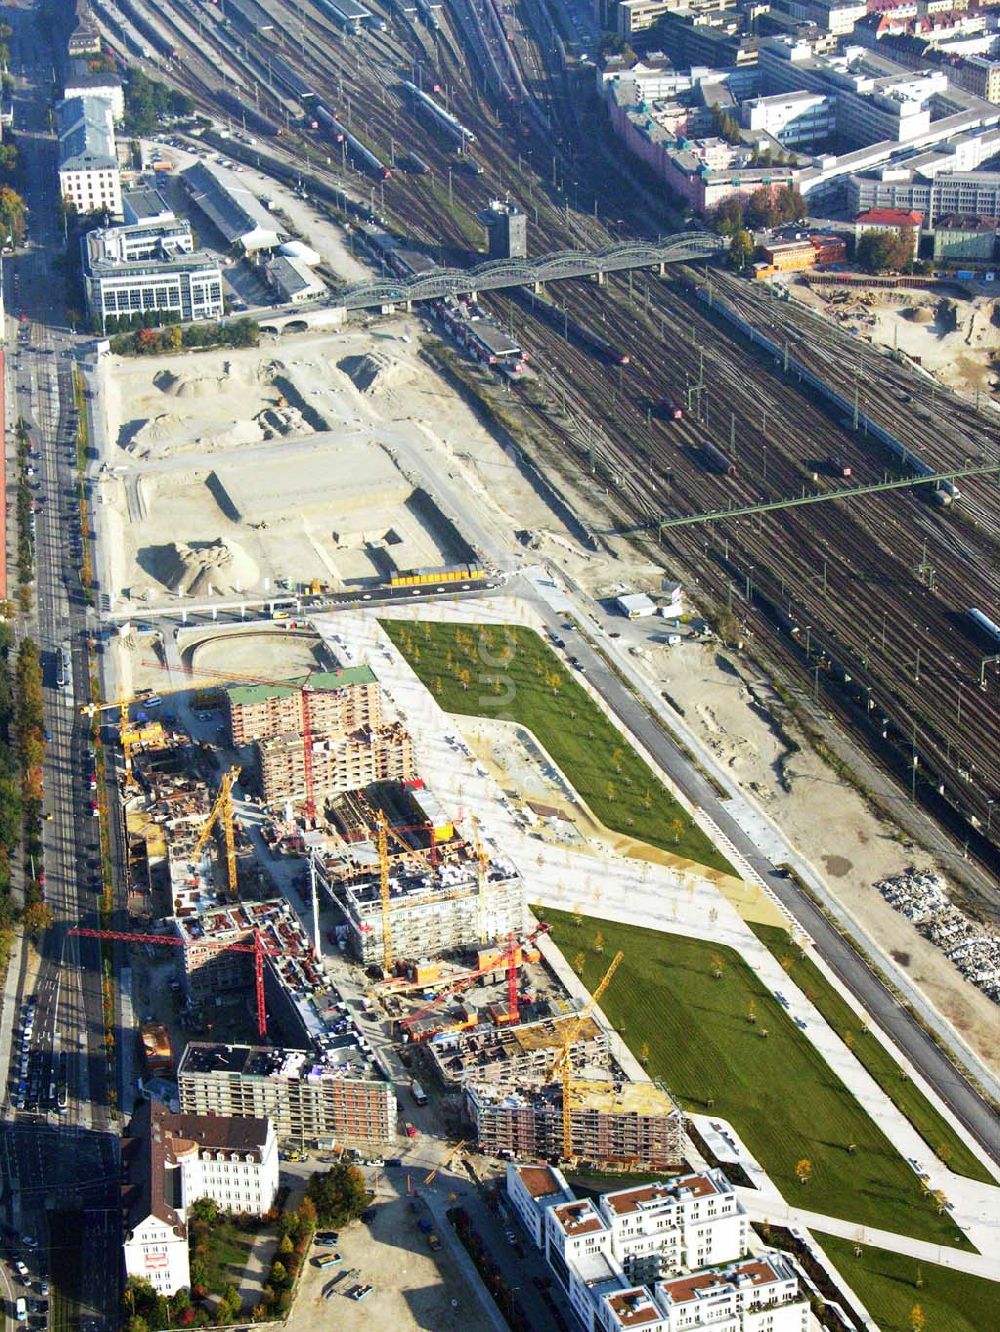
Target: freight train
[(451, 125), (447, 573), (564, 323)]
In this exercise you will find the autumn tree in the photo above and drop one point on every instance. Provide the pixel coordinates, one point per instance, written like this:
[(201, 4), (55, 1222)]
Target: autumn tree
[(803, 1170)]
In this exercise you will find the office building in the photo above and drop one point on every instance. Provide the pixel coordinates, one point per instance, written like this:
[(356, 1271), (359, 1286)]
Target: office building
[(336, 1090), (131, 271), (89, 176), (965, 239), (890, 221)]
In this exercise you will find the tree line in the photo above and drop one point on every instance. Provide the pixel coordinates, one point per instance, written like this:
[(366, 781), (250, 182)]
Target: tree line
[(157, 341)]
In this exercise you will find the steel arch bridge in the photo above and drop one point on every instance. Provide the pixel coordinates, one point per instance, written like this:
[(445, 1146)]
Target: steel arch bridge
[(497, 273)]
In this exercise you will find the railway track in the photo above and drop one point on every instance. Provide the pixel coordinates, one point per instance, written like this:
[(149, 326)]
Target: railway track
[(848, 576)]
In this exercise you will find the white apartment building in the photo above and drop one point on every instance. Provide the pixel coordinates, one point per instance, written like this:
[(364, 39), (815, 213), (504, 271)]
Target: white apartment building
[(758, 1295), (169, 1162), (88, 162), (532, 1190), (81, 82), (793, 118), (688, 1222)]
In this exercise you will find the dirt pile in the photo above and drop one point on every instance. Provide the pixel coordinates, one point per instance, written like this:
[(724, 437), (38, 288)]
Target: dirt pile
[(205, 567)]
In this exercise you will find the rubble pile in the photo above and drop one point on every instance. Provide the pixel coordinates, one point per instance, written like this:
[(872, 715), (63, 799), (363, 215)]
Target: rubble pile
[(922, 896)]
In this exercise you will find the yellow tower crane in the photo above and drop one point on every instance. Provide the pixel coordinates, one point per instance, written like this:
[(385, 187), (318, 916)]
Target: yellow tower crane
[(382, 826), (221, 813), (562, 1064), (482, 868), (127, 737), (443, 1165)]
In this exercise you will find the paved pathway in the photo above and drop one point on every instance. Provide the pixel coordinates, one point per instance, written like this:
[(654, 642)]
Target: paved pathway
[(630, 891)]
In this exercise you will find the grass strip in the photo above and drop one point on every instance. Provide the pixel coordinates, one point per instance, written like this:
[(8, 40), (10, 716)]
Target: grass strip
[(946, 1144), (705, 1024), (893, 1287), (508, 673)]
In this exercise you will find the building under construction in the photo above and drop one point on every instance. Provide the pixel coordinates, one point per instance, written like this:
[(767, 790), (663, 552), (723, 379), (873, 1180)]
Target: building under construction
[(487, 1053), (335, 764), (634, 1124), (327, 703), (431, 909)]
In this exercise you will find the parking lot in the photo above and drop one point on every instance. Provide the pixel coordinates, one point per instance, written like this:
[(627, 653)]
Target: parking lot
[(412, 1287)]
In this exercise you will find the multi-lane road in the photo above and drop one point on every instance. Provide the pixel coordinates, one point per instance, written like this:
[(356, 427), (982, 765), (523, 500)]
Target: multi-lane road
[(56, 1149)]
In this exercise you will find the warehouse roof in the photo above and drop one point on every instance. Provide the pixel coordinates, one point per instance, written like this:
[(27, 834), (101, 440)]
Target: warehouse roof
[(246, 695), (293, 277), (234, 210)]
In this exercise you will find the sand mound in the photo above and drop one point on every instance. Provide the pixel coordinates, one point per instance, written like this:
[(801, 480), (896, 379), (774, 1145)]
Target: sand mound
[(919, 314), (205, 567), (375, 373), (156, 430)]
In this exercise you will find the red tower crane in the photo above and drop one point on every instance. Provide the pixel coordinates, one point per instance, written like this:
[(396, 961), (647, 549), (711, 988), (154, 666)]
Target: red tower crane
[(510, 956), (258, 948)]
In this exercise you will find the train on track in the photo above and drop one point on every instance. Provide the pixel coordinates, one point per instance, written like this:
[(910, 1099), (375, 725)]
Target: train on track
[(444, 120), (361, 156), (563, 322), (716, 460), (985, 625)]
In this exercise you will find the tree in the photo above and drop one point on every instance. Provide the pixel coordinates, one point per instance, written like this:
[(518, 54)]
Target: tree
[(599, 942), (885, 251), (12, 214), (205, 1209), (36, 917), (803, 1170), (718, 966), (338, 1195), (728, 217), (918, 1319), (741, 248), (579, 962), (644, 1053), (307, 1216)]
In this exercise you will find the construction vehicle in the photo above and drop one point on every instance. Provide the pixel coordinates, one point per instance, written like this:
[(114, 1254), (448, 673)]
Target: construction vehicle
[(258, 948), (562, 1065), (221, 815)]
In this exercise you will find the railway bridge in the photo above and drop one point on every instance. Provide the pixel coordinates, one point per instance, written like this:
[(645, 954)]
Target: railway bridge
[(387, 293)]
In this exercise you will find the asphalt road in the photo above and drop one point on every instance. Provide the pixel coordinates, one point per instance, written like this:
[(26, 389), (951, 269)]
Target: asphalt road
[(53, 1157), (956, 1092)]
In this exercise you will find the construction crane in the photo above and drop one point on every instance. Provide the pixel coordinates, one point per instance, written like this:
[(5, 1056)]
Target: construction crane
[(482, 866), (127, 737), (382, 826), (562, 1064), (258, 948), (221, 814), (223, 677), (512, 959), (431, 1175)]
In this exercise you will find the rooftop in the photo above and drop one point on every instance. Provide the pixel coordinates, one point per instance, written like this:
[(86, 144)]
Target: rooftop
[(540, 1181), (889, 217), (625, 1201), (343, 678), (146, 204), (86, 134), (338, 1056), (578, 1218), (718, 1281), (234, 210), (634, 1308)]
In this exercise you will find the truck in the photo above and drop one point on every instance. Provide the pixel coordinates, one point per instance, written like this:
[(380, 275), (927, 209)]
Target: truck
[(418, 1093)]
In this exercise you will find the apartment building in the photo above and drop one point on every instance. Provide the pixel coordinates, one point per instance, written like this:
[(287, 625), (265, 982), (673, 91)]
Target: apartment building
[(337, 1090), (891, 221), (433, 909), (532, 1190), (337, 764), (169, 1161), (81, 81), (756, 1295), (338, 702), (685, 1222), (977, 74), (626, 1122), (89, 176)]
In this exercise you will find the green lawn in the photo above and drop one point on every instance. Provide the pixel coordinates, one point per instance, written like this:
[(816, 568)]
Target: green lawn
[(938, 1134), (224, 1252), (887, 1285), (779, 1093), (64, 1269), (508, 672)]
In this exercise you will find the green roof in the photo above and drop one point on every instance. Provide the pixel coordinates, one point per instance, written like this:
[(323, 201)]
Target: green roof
[(328, 681)]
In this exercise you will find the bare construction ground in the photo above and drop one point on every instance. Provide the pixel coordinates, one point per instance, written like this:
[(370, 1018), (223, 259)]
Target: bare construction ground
[(412, 1287), (233, 473)]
